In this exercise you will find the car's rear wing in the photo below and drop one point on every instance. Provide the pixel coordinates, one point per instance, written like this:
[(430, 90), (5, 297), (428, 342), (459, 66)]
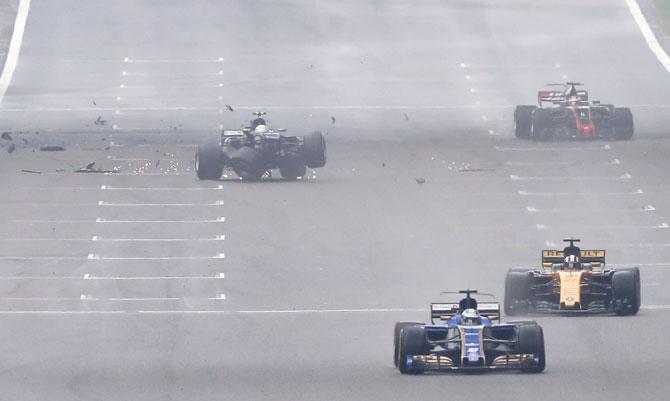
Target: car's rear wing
[(596, 257), (442, 311), (557, 97)]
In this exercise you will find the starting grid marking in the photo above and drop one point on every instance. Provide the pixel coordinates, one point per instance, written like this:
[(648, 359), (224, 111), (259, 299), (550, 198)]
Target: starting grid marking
[(107, 221), (93, 256), (249, 312)]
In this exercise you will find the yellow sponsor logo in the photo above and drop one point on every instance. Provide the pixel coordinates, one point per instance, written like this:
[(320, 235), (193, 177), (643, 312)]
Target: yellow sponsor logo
[(570, 288), (584, 253)]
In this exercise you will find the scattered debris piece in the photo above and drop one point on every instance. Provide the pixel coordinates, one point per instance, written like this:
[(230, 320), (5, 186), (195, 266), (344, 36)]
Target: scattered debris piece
[(100, 121), (94, 104), (420, 180), (60, 170), (52, 148), (31, 171), (90, 168), (158, 162), (406, 117), (11, 148), (332, 119), (383, 164), (230, 108), (24, 140), (6, 136)]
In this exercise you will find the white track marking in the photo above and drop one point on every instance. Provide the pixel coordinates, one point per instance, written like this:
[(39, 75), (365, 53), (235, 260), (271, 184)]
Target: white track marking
[(111, 204), (218, 297), (55, 221), (515, 177), (106, 221), (648, 34), (643, 209), (657, 264), (551, 194), (14, 47), (551, 149), (93, 256), (88, 276), (245, 312), (172, 61), (111, 188), (220, 312), (604, 227), (99, 239)]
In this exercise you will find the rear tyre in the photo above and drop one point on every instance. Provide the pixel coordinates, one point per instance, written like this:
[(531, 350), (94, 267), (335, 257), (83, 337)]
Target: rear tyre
[(531, 341), (292, 168), (247, 164), (541, 129), (412, 342), (314, 149), (623, 124), (209, 162), (517, 288), (396, 338), (626, 295), (523, 119)]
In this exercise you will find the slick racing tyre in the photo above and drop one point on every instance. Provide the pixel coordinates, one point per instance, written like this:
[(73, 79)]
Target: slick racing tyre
[(412, 342), (517, 286), (396, 338), (293, 167), (626, 297), (314, 150), (523, 117), (541, 129), (247, 163), (623, 124), (209, 162), (531, 341)]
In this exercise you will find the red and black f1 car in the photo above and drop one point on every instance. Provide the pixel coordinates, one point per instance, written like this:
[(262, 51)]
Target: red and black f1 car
[(568, 113)]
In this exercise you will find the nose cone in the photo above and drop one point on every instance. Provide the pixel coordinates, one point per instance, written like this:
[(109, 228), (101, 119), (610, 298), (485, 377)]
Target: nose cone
[(586, 130)]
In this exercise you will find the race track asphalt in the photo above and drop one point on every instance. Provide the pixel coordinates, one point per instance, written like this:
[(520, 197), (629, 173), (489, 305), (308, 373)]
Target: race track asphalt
[(149, 284)]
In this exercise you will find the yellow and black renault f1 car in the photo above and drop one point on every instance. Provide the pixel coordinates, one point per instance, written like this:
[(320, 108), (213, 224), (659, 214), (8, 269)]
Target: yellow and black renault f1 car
[(572, 280), (463, 336)]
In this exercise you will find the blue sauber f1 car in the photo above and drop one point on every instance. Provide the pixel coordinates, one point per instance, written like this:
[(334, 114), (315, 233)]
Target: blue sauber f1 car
[(462, 336)]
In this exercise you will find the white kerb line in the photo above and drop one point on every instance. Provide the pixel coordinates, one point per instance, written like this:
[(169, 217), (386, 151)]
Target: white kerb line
[(14, 47), (648, 34)]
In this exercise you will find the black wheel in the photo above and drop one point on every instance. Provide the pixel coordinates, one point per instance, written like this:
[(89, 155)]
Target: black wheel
[(517, 287), (626, 295), (396, 338), (531, 341), (523, 117), (314, 149), (292, 168), (623, 123), (247, 163), (209, 162), (412, 342), (541, 129)]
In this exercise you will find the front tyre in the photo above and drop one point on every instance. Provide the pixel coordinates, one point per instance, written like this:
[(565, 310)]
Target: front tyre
[(412, 342), (209, 162), (517, 288), (396, 338), (523, 118), (531, 341), (314, 150), (626, 295), (247, 164), (623, 124)]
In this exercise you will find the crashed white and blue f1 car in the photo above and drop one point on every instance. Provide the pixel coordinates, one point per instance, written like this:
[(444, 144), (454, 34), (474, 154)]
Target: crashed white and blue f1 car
[(463, 337)]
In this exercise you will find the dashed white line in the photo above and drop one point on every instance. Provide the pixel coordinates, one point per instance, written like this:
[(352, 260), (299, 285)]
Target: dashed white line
[(93, 256), (205, 221), (551, 194), (561, 178), (112, 204)]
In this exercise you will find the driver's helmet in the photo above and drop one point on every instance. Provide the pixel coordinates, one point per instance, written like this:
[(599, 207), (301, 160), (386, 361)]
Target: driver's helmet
[(470, 317), (571, 262), (261, 129)]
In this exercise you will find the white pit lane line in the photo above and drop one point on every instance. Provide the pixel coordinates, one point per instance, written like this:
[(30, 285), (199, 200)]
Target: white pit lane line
[(515, 177), (585, 193), (648, 34), (112, 204), (14, 47)]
